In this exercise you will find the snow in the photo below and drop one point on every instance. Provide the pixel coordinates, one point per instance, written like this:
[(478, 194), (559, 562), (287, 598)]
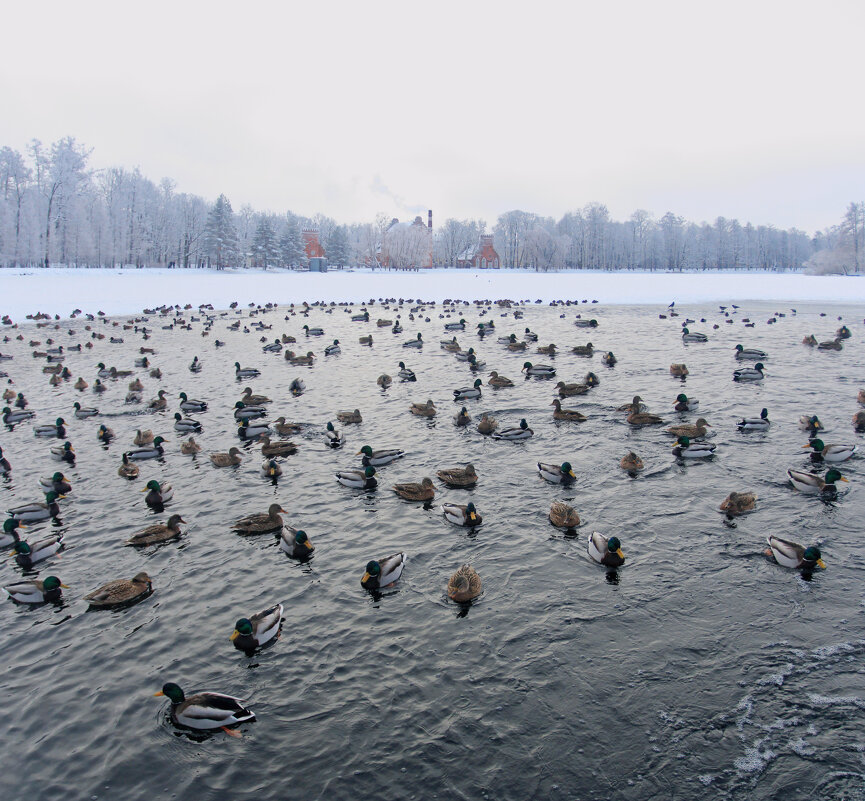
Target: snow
[(125, 291)]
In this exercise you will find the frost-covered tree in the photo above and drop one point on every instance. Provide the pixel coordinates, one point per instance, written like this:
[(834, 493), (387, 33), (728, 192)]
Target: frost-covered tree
[(221, 234), (336, 246), (265, 246), (291, 250)]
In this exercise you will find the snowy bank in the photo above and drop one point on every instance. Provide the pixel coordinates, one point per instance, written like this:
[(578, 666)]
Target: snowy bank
[(60, 290)]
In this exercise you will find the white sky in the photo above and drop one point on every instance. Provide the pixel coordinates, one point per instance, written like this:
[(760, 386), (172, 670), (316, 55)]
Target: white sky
[(745, 109)]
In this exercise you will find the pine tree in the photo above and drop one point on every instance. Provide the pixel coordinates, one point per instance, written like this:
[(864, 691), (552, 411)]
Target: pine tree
[(221, 234), (336, 247), (265, 248), (291, 250)]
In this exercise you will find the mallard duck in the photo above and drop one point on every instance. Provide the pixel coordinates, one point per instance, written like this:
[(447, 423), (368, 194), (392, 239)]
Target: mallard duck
[(522, 431), (382, 323), (271, 469), (685, 404), (586, 323), (249, 430), (384, 381), (81, 384), (754, 373), (34, 512), (760, 423), (269, 448), (737, 503), (750, 354), (273, 347), (609, 359), (190, 447), (570, 415), (460, 326), (450, 345), (462, 417), (529, 335), (487, 424), (10, 534), (127, 469), (414, 343), (98, 387), (383, 573), (153, 451), (631, 462), (55, 381), (605, 551), (679, 370), (245, 372), (83, 413), (295, 543), (159, 402), (5, 466), (57, 429), (469, 393), (843, 332), (685, 449), (205, 710), (249, 399), (514, 345), (547, 350), (332, 349), (349, 417), (63, 453), (584, 350), (830, 453), (569, 390), (831, 344), (563, 516), (56, 483), (185, 424), (810, 340), (538, 370), (151, 535), (425, 491), (860, 398), (640, 418), (243, 412), (379, 458), (557, 474), (158, 494), (405, 374), (461, 515), (257, 631), (694, 431), (28, 554), (143, 437), (104, 434), (367, 340), (191, 405), (358, 479), (693, 336), (464, 585), (121, 592), (499, 381), (791, 554), (103, 371), (300, 360), (154, 373), (858, 424), (35, 592), (459, 476), (313, 332), (333, 437), (285, 429), (229, 459), (427, 409), (260, 522)]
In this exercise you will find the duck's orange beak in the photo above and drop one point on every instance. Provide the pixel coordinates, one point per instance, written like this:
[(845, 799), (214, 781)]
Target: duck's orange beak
[(159, 693), (234, 635), (365, 578), (821, 563), (619, 553)]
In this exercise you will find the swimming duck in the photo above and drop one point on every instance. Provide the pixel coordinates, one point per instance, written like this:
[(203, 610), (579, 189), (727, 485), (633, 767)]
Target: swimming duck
[(679, 370), (243, 412), (641, 418), (358, 479), (379, 458), (382, 323), (414, 343), (5, 466), (383, 573), (858, 424), (514, 345), (450, 345), (313, 332), (332, 349), (245, 372), (11, 418), (563, 516), (226, 459), (81, 384), (63, 453), (843, 332), (151, 535), (462, 417), (159, 402), (103, 371), (791, 554), (750, 354), (609, 359), (569, 390), (522, 431), (257, 631), (631, 462), (737, 503), (499, 381), (584, 350), (570, 415), (547, 350), (153, 451), (271, 469), (253, 400), (300, 360), (469, 393), (34, 512), (191, 405), (831, 344), (56, 483), (464, 585), (760, 423), (27, 554), (185, 424), (205, 710), (811, 424), (82, 413), (810, 340), (459, 515), (35, 592), (530, 336), (556, 474), (427, 409), (143, 437), (460, 326), (248, 430), (273, 347), (605, 551), (283, 448), (384, 381), (586, 323), (349, 417), (363, 317), (688, 336), (98, 386), (260, 522), (333, 437), (459, 476), (685, 404), (539, 370), (285, 429), (58, 429), (691, 431), (190, 447), (295, 543), (860, 397), (121, 592), (754, 373), (194, 366), (830, 453), (487, 424), (127, 469), (425, 491), (685, 449), (405, 374)]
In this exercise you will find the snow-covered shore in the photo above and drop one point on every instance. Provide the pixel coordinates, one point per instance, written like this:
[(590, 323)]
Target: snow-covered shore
[(116, 291)]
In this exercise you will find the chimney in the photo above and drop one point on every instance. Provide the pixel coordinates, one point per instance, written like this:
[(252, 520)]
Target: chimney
[(429, 219)]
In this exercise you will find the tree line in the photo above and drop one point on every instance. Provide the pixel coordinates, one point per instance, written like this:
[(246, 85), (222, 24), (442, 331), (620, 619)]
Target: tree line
[(56, 209)]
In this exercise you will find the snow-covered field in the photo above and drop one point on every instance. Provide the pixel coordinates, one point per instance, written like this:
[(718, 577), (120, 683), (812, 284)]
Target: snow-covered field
[(60, 290)]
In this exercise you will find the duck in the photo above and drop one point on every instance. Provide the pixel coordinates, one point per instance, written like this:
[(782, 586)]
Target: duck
[(271, 469), (10, 418), (605, 551), (487, 424), (358, 479), (462, 417), (679, 370), (462, 515), (258, 630), (557, 474), (685, 449), (379, 458), (248, 430), (427, 409), (99, 387), (205, 710), (737, 503), (522, 431), (82, 413), (530, 336), (414, 343), (63, 453), (229, 459), (273, 347), (563, 516), (80, 384), (811, 424), (584, 350), (283, 448), (153, 451), (539, 370), (750, 354), (459, 476), (843, 332), (791, 554), (405, 374), (103, 371), (285, 429), (253, 400), (383, 573), (640, 418), (464, 585), (49, 590), (194, 366), (295, 543), (333, 437), (159, 402), (191, 405), (860, 397), (693, 336), (547, 350), (685, 404), (469, 393), (609, 359), (121, 592), (514, 345), (830, 453), (384, 381), (10, 535), (760, 423), (831, 344), (569, 415), (35, 512), (152, 535), (27, 555), (158, 494), (425, 491), (190, 447), (58, 429), (5, 465), (243, 412), (810, 340), (185, 423), (450, 345), (499, 381), (260, 522), (695, 431), (332, 349), (55, 483), (586, 323), (300, 360), (858, 424), (460, 326), (313, 332), (631, 462), (245, 372), (349, 417), (127, 469), (754, 373), (143, 437)]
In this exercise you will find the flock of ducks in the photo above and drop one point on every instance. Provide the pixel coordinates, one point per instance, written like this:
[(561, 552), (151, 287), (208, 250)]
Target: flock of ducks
[(208, 710)]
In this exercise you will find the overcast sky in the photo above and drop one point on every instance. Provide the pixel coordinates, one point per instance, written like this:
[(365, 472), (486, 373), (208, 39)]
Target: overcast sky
[(751, 110)]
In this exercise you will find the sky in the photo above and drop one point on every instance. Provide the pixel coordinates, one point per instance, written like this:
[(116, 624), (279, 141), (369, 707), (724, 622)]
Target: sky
[(749, 110)]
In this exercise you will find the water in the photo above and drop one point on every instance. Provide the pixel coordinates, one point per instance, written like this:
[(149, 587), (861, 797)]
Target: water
[(701, 670)]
